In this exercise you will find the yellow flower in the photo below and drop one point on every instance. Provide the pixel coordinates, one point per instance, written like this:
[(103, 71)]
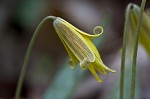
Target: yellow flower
[(145, 27), (80, 47)]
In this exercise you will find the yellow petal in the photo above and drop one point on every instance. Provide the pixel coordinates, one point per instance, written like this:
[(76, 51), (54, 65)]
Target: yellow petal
[(73, 60), (99, 66), (145, 28), (97, 30), (80, 47), (145, 32), (93, 47), (92, 70), (75, 42)]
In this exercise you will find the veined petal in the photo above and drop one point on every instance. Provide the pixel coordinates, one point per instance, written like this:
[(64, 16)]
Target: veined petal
[(75, 42), (73, 60), (80, 47), (98, 30), (93, 47)]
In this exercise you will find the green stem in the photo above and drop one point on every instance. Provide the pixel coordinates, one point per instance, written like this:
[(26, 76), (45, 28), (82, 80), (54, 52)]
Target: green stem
[(28, 55), (136, 49), (124, 53)]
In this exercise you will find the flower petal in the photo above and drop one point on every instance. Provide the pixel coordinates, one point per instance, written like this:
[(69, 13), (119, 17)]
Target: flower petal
[(93, 47), (98, 30), (92, 70), (75, 42), (73, 60), (145, 28), (99, 66)]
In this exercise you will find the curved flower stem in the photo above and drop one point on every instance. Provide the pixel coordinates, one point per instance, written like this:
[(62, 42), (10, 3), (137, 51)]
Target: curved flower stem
[(136, 49), (28, 55), (123, 57)]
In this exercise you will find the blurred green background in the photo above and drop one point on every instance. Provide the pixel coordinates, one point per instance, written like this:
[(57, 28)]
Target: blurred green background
[(48, 75)]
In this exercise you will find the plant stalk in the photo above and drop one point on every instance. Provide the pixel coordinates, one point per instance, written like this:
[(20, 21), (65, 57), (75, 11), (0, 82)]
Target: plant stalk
[(123, 57), (28, 55), (133, 80)]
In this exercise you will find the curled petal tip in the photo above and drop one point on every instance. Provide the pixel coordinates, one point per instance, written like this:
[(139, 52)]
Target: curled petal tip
[(80, 47), (98, 30)]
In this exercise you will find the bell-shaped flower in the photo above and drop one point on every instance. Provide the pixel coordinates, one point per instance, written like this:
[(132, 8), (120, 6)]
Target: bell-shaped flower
[(80, 47), (145, 27)]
